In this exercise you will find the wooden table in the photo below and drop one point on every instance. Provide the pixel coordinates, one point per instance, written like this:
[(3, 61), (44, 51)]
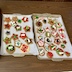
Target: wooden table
[(31, 63)]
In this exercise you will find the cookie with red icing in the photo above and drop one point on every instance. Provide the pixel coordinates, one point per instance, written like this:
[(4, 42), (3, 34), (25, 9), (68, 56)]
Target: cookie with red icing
[(40, 43), (7, 26), (24, 48), (7, 40), (25, 19), (27, 28), (67, 54), (23, 35), (49, 54)]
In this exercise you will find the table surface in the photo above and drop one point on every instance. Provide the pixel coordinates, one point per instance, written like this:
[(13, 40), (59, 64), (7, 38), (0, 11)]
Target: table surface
[(31, 63)]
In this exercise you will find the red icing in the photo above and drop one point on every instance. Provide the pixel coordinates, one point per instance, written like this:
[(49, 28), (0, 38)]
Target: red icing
[(23, 35), (50, 54), (24, 48), (25, 19)]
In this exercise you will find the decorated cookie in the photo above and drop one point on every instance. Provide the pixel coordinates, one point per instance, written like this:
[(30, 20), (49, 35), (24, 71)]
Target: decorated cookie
[(7, 40), (41, 52), (7, 32), (23, 35), (7, 19), (46, 48), (58, 25), (40, 43), (47, 29), (40, 37), (48, 40), (28, 41), (10, 49), (18, 28), (49, 54), (57, 41), (18, 43), (51, 22), (62, 36), (38, 24), (53, 33), (63, 46), (13, 23), (52, 47), (48, 34), (14, 19), (61, 30), (60, 52), (24, 48), (25, 19), (64, 41), (44, 21), (67, 54), (14, 37), (40, 30), (27, 28), (53, 27), (7, 26)]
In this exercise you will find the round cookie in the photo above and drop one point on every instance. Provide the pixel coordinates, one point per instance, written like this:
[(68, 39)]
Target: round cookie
[(10, 49), (49, 54), (38, 24)]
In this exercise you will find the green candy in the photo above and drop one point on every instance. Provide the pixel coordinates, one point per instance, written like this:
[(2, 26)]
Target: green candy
[(19, 21), (37, 17)]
